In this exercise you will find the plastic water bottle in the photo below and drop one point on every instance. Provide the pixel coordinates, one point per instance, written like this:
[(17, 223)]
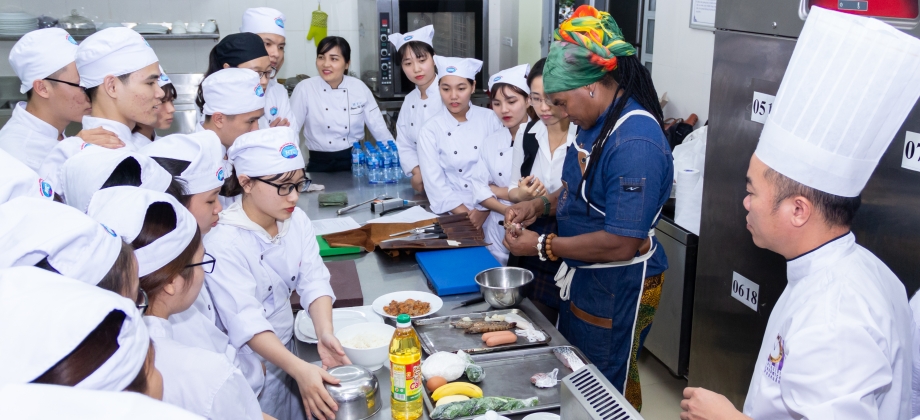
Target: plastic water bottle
[(373, 168), (357, 161), (405, 371), (387, 164), (397, 169)]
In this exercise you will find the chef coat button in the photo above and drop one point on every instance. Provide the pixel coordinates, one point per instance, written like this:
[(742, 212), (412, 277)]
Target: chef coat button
[(448, 134), (425, 106), (261, 257), (499, 174), (330, 142), (324, 90), (343, 139), (209, 307), (455, 152), (461, 170), (412, 124), (464, 185), (501, 154), (269, 288), (413, 106), (475, 147), (343, 109), (292, 278), (327, 109), (328, 126)]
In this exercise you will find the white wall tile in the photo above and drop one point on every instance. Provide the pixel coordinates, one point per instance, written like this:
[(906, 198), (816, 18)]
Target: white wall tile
[(342, 16), (293, 11)]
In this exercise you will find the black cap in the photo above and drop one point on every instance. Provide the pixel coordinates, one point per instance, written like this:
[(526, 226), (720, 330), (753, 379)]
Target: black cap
[(236, 49)]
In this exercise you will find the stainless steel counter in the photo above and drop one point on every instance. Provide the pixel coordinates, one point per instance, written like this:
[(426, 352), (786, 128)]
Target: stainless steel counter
[(379, 274)]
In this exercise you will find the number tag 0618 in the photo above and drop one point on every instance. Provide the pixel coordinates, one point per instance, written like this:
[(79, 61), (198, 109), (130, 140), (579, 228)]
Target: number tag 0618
[(745, 291)]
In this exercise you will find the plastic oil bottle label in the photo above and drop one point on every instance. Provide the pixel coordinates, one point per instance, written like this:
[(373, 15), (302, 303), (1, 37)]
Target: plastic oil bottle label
[(406, 381)]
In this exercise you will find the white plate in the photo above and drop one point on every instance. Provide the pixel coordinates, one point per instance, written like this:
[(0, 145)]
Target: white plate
[(381, 302), (542, 416), (341, 318)]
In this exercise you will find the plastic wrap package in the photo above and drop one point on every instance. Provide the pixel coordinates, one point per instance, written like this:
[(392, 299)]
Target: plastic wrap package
[(477, 406)]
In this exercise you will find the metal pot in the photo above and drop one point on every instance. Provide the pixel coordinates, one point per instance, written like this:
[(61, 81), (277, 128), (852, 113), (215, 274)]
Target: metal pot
[(504, 287), (76, 24), (357, 394)]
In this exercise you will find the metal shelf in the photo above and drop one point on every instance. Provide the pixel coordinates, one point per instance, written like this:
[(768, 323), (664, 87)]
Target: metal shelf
[(150, 37)]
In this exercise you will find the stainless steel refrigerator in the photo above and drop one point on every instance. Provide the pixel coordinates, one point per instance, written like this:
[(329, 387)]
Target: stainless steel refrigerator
[(754, 41)]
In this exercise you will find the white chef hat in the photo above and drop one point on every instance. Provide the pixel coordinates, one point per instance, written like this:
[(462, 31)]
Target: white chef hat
[(233, 91), (40, 53), (515, 76), (35, 338), (112, 51), (456, 66), (202, 150), (31, 402), (86, 172), (848, 88), (266, 152), (164, 78), (124, 210), (20, 181), (424, 34), (263, 20), (77, 246)]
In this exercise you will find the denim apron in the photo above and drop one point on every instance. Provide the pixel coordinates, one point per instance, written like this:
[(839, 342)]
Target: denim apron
[(608, 293)]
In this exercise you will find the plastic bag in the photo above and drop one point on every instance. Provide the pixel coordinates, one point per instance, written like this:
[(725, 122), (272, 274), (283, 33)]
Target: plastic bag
[(446, 365), (473, 371), (477, 406), (545, 380)]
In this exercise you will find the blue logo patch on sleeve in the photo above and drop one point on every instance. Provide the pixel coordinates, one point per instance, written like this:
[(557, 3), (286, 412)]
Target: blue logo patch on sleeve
[(273, 111), (45, 188), (260, 92), (71, 40)]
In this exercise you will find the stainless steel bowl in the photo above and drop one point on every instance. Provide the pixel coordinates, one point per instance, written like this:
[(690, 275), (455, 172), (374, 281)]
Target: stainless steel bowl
[(357, 394), (504, 287)]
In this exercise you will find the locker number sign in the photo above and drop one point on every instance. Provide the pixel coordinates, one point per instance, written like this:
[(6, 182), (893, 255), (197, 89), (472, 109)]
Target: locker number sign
[(761, 106), (745, 291), (910, 158)]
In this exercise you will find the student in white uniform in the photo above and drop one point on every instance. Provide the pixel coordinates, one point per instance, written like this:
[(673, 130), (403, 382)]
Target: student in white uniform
[(334, 108), (509, 93), (450, 143), (20, 181), (165, 112), (837, 341), (416, 55), (244, 51), (58, 238), (119, 71), (30, 402), (92, 170), (173, 263), (268, 24), (44, 62), (267, 249), (100, 344)]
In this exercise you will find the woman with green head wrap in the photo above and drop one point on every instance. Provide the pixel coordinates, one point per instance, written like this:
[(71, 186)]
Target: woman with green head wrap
[(616, 178)]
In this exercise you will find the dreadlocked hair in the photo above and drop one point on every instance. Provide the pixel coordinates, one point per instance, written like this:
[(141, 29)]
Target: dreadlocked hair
[(634, 82)]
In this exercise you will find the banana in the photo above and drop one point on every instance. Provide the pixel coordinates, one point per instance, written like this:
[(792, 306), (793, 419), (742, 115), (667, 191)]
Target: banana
[(457, 388), (451, 398)]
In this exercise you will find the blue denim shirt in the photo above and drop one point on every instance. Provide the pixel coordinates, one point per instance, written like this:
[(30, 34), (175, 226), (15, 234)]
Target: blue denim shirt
[(631, 182)]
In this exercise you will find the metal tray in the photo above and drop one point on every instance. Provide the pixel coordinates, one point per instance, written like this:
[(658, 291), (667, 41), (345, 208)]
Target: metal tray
[(436, 334), (507, 374)]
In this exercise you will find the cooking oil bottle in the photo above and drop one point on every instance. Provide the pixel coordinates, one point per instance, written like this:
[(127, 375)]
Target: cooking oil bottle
[(405, 371)]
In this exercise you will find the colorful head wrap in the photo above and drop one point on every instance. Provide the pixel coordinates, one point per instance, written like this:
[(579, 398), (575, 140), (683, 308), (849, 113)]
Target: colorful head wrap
[(586, 48)]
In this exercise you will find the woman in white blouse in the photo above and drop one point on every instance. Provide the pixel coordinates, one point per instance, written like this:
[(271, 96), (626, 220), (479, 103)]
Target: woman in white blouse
[(334, 108)]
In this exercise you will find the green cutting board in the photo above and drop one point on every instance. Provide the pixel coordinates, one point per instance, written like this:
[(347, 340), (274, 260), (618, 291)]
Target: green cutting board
[(325, 250)]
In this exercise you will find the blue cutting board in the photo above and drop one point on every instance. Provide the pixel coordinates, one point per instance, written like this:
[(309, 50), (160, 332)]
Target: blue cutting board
[(453, 271)]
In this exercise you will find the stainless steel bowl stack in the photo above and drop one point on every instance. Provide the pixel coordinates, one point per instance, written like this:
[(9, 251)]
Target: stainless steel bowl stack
[(357, 394), (504, 287)]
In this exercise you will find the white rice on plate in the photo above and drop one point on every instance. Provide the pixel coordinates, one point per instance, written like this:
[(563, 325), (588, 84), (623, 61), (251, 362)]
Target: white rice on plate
[(366, 342)]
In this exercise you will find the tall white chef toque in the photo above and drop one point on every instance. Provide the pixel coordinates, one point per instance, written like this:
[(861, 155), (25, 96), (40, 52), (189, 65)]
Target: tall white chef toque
[(124, 210), (263, 20), (424, 34), (164, 78), (86, 172), (112, 51), (40, 53), (20, 180), (202, 150), (266, 152), (31, 401), (76, 245), (515, 76), (456, 66), (232, 91), (848, 88), (30, 348)]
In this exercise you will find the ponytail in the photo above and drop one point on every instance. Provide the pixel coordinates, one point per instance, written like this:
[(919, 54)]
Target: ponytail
[(213, 67)]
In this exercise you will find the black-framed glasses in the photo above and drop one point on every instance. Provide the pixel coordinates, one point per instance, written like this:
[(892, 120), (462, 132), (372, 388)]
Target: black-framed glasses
[(207, 263), (538, 100), (76, 85), (269, 74), (288, 188), (141, 300)]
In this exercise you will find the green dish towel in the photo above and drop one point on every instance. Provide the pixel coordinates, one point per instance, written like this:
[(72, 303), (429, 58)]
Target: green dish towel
[(333, 199)]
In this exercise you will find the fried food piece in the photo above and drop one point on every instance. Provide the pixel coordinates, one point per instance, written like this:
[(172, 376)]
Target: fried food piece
[(411, 307)]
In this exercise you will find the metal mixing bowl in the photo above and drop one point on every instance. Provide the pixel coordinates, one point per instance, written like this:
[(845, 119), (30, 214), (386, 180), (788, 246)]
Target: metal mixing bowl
[(504, 287), (357, 394)]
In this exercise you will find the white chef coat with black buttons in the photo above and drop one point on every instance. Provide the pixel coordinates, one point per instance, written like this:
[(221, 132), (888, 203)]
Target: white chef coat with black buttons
[(497, 156), (547, 165), (837, 344), (277, 105), (200, 381), (413, 114), (27, 137), (333, 119), (449, 157)]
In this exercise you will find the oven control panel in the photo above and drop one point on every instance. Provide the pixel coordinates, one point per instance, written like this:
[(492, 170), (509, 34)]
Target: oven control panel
[(386, 60)]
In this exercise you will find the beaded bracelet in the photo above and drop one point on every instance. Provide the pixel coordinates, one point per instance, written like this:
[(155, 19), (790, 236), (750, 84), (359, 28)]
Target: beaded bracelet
[(549, 247), (541, 247)]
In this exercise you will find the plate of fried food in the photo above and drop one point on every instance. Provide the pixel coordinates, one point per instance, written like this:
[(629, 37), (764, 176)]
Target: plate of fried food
[(415, 304)]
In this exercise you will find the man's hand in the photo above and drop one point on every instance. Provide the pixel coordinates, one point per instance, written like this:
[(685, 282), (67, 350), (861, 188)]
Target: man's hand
[(280, 122), (703, 404), (523, 213), (101, 137), (520, 242)]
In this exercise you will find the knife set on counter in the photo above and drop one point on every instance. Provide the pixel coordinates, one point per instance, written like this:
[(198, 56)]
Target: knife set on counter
[(445, 232)]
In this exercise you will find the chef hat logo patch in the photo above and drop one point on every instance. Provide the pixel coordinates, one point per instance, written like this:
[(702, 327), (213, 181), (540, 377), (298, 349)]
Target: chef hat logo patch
[(260, 92), (84, 145), (110, 231), (451, 69), (145, 42), (164, 77), (273, 111), (407, 38), (497, 78), (71, 40), (279, 22), (289, 151), (45, 188), (220, 174)]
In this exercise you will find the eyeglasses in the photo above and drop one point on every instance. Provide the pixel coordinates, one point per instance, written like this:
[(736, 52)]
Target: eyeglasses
[(207, 263), (538, 100), (287, 188), (141, 300), (76, 85), (267, 74)]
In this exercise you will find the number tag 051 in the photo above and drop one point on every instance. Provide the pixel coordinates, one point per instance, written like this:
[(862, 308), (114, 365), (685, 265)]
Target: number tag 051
[(745, 291), (761, 106)]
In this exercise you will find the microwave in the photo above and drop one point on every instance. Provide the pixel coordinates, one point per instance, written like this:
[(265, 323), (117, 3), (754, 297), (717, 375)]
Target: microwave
[(460, 28)]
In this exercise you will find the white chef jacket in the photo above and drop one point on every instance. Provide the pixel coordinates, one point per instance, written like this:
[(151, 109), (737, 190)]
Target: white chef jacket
[(27, 137), (252, 282), (19, 180), (277, 105), (333, 119), (836, 344), (547, 166), (413, 114), (915, 354), (200, 381), (497, 150), (42, 402), (449, 157), (141, 140)]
